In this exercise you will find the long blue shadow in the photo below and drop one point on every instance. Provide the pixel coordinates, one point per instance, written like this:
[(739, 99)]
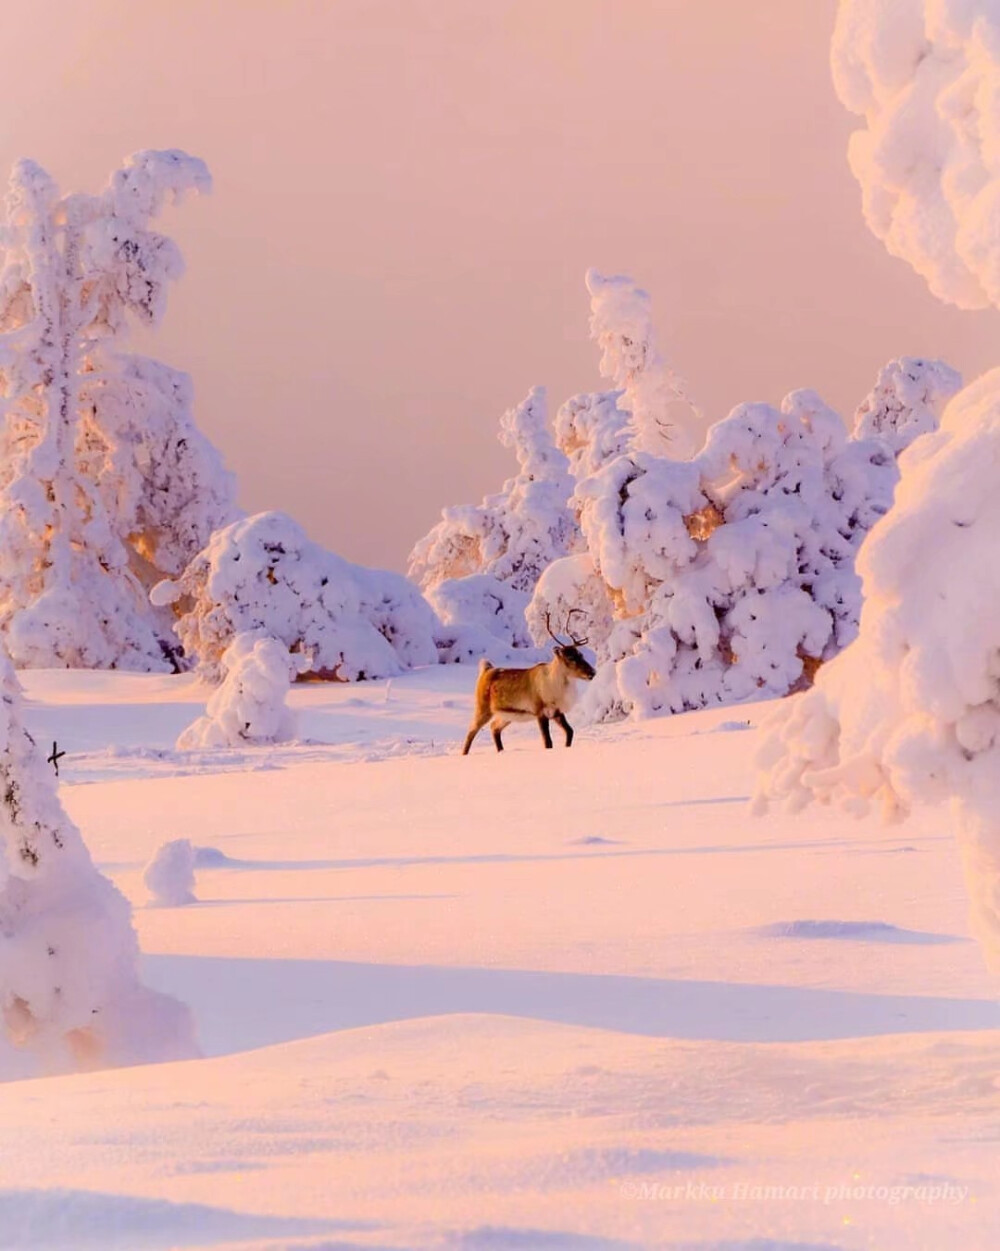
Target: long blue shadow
[(241, 1004)]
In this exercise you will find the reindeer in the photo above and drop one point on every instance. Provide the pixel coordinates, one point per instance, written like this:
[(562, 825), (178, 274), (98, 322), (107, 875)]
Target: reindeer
[(542, 693)]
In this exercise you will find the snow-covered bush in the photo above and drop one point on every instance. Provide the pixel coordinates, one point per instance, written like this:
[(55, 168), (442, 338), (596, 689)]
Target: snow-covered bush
[(509, 538), (70, 994), (249, 707), (169, 876), (905, 401), (910, 714), (482, 600), (730, 576), (101, 469), (264, 576), (663, 418)]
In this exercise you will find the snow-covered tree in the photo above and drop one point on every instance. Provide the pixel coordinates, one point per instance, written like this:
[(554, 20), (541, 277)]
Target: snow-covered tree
[(249, 707), (664, 420), (101, 469), (70, 995), (505, 542), (730, 576), (591, 430), (905, 401), (910, 713), (262, 574)]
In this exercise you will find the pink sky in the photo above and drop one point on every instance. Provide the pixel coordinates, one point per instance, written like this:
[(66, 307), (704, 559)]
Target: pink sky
[(408, 193)]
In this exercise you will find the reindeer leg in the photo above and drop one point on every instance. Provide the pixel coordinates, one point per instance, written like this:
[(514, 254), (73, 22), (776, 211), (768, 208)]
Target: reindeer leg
[(497, 727), (564, 725), (474, 729), (543, 725)]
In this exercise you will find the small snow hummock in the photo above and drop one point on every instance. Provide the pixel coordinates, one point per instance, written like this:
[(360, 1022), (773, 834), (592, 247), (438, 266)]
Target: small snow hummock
[(70, 995), (910, 713), (249, 707), (262, 574), (169, 876)]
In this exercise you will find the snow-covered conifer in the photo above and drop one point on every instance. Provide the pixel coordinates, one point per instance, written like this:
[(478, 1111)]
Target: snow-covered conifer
[(591, 429), (70, 994), (910, 713), (249, 706), (93, 441), (664, 420), (263, 574), (509, 538), (905, 401), (731, 575)]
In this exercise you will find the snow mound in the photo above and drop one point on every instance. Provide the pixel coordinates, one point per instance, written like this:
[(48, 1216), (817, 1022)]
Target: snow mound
[(169, 876)]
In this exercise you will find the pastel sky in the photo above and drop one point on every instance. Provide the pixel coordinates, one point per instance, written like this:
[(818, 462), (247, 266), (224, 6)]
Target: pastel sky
[(408, 193)]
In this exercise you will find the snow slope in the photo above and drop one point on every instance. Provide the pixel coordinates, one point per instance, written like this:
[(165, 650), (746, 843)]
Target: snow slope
[(544, 1000)]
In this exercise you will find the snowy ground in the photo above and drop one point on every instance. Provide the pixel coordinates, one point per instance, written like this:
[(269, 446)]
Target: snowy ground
[(546, 1000)]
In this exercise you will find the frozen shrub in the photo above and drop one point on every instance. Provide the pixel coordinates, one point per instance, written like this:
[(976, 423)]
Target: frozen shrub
[(249, 707), (262, 575)]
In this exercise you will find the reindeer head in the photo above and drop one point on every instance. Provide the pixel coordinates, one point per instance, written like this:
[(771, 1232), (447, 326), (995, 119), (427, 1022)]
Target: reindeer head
[(569, 653)]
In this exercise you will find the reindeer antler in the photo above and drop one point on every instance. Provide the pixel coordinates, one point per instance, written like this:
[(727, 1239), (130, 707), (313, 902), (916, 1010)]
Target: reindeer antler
[(569, 617), (548, 626)]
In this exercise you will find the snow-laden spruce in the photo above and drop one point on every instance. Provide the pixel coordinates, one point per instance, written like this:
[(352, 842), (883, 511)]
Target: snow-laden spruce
[(925, 74), (263, 575), (249, 707), (910, 713), (663, 418), (105, 483), (480, 563), (730, 576), (70, 995), (169, 876)]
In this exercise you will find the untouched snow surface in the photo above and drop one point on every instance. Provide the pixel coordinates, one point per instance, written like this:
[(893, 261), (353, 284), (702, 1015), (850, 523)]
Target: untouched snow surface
[(565, 999)]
